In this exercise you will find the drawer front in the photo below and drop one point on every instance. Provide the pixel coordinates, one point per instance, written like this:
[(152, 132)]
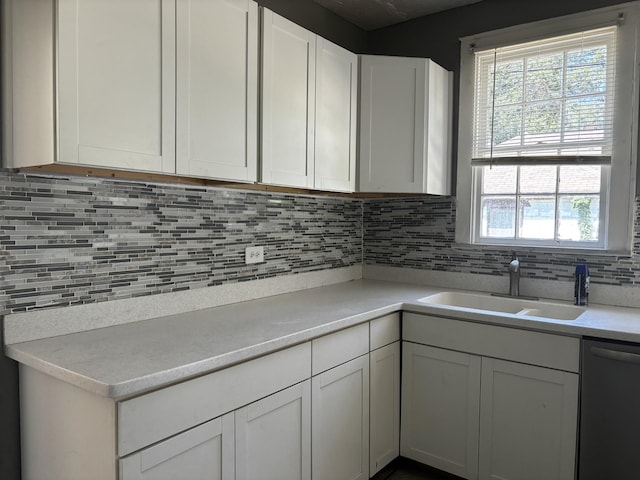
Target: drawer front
[(339, 347), (157, 415), (384, 330), (534, 348)]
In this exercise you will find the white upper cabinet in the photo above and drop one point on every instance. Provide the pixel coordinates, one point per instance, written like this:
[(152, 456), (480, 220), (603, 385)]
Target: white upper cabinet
[(153, 85), (217, 88), (171, 86), (309, 105), (336, 107), (288, 82), (116, 84), (405, 133)]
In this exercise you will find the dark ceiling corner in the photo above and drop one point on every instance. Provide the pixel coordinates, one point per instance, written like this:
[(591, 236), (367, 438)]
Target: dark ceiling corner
[(321, 21)]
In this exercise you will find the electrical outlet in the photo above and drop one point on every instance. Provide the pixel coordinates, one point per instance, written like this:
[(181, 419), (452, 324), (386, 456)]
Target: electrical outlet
[(253, 255)]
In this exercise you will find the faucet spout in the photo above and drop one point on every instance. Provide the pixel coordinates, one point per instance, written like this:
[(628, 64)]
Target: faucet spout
[(514, 276)]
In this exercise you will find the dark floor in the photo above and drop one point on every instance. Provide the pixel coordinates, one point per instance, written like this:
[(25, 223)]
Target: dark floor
[(404, 469)]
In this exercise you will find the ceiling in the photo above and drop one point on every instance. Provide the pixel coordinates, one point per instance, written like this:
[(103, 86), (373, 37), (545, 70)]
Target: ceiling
[(373, 14)]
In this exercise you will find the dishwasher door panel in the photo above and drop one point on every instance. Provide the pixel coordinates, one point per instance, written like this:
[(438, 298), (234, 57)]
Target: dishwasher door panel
[(610, 411)]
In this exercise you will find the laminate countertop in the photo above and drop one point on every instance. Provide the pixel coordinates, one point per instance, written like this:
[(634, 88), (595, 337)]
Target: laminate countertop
[(127, 360)]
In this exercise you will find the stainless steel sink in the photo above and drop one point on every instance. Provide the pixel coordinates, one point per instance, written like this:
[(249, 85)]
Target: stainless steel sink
[(514, 306)]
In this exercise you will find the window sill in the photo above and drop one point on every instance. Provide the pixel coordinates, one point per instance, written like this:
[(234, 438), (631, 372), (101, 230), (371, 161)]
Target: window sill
[(582, 252)]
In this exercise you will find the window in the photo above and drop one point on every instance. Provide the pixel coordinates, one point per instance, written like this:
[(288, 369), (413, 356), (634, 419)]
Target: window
[(551, 101), (547, 133)]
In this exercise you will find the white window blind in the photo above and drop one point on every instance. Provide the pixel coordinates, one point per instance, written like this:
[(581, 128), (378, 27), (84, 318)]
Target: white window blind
[(546, 102)]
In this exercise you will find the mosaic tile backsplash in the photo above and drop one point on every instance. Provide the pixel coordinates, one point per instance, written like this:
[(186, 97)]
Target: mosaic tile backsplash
[(68, 241), (74, 240), (419, 233)]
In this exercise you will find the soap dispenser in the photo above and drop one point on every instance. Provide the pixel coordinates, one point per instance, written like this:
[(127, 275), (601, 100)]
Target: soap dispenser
[(581, 289)]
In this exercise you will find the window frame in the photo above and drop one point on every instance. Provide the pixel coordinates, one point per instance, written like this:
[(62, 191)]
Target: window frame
[(622, 172)]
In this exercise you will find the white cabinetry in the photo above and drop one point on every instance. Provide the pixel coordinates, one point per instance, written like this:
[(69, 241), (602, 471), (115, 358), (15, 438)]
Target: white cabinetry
[(335, 124), (384, 388), (405, 126), (232, 422), (116, 84), (309, 100), (288, 83), (273, 436), (340, 419), (206, 451), (135, 82), (440, 408), (340, 405), (308, 411), (517, 388), (528, 422), (217, 89), (268, 439)]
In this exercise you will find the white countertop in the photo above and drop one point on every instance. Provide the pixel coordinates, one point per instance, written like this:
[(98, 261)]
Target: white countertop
[(126, 360)]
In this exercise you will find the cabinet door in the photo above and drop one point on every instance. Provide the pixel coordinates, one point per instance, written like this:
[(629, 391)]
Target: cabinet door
[(440, 408), (335, 125), (116, 83), (273, 436), (392, 124), (204, 452), (340, 422), (288, 86), (405, 126), (384, 407), (528, 422), (437, 131), (217, 88)]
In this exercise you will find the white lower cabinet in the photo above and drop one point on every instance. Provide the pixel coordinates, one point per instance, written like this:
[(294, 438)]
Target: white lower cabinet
[(384, 406), (528, 422), (273, 436), (479, 401), (440, 408), (204, 452), (340, 422), (269, 439), (466, 412)]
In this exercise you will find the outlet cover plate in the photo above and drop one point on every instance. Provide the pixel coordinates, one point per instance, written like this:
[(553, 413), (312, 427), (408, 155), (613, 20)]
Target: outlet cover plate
[(253, 255)]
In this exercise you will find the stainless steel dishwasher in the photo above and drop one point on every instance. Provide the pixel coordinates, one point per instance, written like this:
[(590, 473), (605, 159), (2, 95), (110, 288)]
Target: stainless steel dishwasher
[(609, 411)]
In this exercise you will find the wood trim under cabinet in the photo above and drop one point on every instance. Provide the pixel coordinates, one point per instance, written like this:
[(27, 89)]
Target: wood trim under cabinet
[(85, 171)]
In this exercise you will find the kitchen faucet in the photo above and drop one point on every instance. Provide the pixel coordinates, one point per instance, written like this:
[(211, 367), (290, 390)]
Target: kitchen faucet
[(514, 276)]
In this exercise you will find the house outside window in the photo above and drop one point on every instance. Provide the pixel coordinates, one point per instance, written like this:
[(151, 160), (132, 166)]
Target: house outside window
[(548, 122)]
